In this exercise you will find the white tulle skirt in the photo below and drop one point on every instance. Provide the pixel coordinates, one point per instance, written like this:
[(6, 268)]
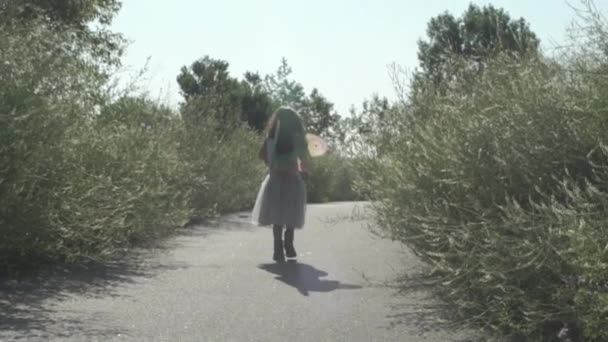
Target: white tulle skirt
[(281, 201)]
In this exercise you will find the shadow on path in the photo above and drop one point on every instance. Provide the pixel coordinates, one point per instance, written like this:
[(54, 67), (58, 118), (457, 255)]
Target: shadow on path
[(305, 278), (27, 310), (419, 307)]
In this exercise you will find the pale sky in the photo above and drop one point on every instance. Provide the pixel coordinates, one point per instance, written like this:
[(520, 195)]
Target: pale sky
[(341, 47)]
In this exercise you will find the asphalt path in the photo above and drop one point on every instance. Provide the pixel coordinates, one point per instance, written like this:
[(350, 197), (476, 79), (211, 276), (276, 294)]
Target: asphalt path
[(217, 282)]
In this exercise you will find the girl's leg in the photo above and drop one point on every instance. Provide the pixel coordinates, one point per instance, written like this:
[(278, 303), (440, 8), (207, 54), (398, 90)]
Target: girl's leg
[(290, 251), (278, 255)]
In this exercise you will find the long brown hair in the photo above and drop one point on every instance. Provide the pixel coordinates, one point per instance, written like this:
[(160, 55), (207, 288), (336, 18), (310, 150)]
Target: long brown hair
[(286, 134), (271, 125)]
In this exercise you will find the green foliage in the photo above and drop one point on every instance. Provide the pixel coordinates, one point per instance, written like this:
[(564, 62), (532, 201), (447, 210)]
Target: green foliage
[(135, 112), (256, 104), (319, 115), (81, 24), (317, 112), (502, 191), (209, 90), (284, 90), (70, 187), (368, 131), (205, 76), (253, 99), (480, 33), (83, 175), (68, 12), (227, 160), (236, 172), (331, 179), (78, 181)]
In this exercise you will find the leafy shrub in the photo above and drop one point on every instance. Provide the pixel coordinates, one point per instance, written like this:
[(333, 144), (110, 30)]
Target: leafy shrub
[(331, 179), (84, 175), (501, 189), (226, 155)]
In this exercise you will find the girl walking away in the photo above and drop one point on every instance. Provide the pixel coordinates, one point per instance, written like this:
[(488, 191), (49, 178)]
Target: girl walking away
[(281, 201)]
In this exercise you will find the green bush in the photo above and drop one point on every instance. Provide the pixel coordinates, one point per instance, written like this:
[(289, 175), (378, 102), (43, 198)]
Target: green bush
[(331, 179), (75, 187), (227, 155), (84, 175), (232, 170), (35, 125), (501, 188)]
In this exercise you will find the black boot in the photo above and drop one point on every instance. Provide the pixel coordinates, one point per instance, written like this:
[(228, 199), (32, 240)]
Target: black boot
[(278, 255), (290, 251)]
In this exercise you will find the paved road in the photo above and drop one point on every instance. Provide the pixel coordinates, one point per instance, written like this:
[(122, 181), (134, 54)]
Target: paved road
[(217, 282)]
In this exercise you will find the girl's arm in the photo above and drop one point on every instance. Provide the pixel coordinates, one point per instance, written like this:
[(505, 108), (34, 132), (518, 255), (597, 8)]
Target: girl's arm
[(303, 155)]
